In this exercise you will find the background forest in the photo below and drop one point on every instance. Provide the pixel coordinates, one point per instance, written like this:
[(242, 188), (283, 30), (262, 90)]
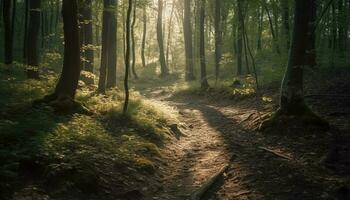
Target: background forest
[(167, 99)]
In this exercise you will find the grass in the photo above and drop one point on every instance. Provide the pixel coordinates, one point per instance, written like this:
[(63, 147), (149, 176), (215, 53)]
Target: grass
[(72, 155)]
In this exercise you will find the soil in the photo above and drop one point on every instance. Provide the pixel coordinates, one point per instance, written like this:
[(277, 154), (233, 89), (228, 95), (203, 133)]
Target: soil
[(286, 163)]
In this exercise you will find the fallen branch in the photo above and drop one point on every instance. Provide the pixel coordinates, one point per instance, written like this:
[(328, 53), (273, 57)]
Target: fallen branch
[(208, 184), (275, 153)]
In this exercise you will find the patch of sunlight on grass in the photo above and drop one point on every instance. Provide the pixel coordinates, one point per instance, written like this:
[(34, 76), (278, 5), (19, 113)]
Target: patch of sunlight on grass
[(69, 151)]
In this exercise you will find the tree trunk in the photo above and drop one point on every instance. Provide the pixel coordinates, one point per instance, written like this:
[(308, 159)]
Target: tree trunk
[(292, 95), (143, 58), (189, 76), (26, 13), (310, 57), (127, 58), (273, 31), (341, 22), (88, 41), (239, 37), (169, 32), (204, 81), (33, 35), (68, 82), (163, 68), (8, 9), (285, 21), (107, 78), (112, 50), (133, 42), (218, 37), (260, 28)]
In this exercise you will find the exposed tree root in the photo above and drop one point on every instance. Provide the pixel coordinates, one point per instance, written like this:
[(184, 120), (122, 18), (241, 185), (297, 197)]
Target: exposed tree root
[(275, 153), (62, 104), (306, 118), (208, 184)]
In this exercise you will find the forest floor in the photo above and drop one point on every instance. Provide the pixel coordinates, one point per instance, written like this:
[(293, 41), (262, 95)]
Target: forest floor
[(284, 163), (171, 142)]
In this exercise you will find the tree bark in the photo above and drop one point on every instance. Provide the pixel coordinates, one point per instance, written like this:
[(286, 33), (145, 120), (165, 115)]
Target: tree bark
[(144, 34), (88, 35), (239, 37), (127, 58), (8, 9), (218, 37), (163, 68), (107, 78), (204, 81), (310, 58), (33, 35), (260, 28), (68, 82), (292, 94), (189, 76), (133, 42), (112, 50), (285, 21)]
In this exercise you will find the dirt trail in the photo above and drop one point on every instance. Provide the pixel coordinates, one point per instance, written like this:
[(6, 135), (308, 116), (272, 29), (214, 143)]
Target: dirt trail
[(261, 166), (199, 153)]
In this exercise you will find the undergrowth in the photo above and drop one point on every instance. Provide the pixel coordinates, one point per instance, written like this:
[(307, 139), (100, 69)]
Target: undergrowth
[(104, 153)]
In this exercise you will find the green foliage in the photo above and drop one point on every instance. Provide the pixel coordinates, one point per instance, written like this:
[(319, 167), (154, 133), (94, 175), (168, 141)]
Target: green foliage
[(75, 152)]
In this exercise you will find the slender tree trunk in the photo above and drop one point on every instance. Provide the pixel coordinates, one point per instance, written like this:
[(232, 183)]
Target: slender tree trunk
[(285, 21), (310, 57), (163, 68), (144, 34), (204, 81), (341, 22), (127, 58), (189, 76), (88, 41), (260, 28), (239, 37), (33, 35), (218, 37), (273, 32), (104, 51), (26, 13), (133, 42), (169, 32), (292, 93), (8, 9), (112, 50), (68, 82)]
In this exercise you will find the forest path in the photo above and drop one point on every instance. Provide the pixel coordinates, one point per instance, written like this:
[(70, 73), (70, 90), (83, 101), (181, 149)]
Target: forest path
[(219, 132), (202, 150)]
